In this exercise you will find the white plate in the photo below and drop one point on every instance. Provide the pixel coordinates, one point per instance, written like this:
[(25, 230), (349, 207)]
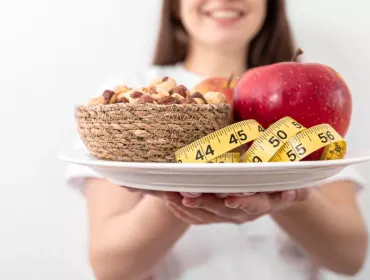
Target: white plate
[(216, 177)]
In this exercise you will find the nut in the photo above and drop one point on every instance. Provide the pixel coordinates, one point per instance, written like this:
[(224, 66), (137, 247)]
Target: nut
[(97, 101), (145, 99), (198, 95), (155, 82), (136, 94), (215, 97), (180, 90), (177, 96), (200, 100), (120, 89), (108, 94), (159, 94), (152, 90), (123, 100), (188, 100), (167, 84), (166, 100)]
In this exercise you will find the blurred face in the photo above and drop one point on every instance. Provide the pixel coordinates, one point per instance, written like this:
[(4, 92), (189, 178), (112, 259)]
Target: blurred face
[(223, 23)]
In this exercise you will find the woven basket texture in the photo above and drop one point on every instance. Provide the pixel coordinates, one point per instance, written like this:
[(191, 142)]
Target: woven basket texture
[(146, 132)]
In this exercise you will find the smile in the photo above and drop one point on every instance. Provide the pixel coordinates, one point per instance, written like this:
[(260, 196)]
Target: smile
[(225, 14)]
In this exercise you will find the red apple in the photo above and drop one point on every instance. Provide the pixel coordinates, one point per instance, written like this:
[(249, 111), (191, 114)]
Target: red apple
[(311, 93), (223, 85)]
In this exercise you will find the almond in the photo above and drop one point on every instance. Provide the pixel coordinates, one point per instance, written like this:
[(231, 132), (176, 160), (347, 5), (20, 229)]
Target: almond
[(166, 100), (145, 99), (136, 94)]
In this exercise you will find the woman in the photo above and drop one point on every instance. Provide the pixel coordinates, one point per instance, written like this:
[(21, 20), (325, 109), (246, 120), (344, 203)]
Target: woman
[(289, 235)]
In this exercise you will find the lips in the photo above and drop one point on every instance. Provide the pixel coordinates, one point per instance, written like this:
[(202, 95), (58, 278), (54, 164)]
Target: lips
[(225, 14)]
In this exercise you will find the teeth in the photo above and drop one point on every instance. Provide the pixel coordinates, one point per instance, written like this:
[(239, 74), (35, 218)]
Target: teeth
[(225, 14)]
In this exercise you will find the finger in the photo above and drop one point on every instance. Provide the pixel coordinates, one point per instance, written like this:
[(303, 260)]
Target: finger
[(242, 194), (190, 194), (254, 204), (221, 195), (182, 215), (173, 197), (302, 194), (214, 205), (199, 214)]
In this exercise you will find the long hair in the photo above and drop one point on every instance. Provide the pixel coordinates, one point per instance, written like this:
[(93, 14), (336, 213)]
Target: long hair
[(273, 43)]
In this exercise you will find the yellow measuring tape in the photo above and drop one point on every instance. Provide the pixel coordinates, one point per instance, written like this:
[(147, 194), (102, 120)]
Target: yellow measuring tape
[(285, 140)]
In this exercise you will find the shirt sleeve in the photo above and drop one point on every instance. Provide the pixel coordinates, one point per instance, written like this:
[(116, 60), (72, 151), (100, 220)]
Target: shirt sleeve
[(349, 173)]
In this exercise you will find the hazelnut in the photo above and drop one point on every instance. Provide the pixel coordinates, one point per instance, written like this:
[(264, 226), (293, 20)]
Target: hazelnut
[(180, 90), (108, 94), (136, 94), (166, 100), (145, 99), (215, 97), (123, 100), (198, 95), (187, 101)]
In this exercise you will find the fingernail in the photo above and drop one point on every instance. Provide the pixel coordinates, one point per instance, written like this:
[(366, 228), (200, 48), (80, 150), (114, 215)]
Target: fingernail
[(249, 193), (289, 196), (232, 205), (194, 194), (191, 204)]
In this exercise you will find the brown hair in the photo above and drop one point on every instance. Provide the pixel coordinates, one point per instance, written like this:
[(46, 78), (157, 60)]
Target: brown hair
[(274, 42)]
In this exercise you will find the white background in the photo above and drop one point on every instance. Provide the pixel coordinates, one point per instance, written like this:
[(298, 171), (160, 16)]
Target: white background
[(54, 54)]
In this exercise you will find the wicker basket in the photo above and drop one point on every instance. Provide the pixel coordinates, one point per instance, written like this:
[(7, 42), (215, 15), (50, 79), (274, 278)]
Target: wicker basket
[(146, 132)]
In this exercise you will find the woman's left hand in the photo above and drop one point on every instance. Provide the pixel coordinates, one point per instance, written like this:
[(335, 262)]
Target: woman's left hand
[(236, 209)]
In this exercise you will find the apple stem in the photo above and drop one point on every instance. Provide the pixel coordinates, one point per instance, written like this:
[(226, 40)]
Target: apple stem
[(230, 80), (298, 52)]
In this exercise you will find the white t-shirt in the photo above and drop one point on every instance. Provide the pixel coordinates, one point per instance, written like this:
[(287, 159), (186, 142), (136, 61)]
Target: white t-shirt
[(257, 250)]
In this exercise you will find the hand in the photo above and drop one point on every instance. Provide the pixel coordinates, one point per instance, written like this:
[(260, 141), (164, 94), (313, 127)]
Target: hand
[(209, 208)]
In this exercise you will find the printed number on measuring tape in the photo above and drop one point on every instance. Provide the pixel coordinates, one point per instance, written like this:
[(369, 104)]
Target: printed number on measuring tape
[(285, 140), (219, 142)]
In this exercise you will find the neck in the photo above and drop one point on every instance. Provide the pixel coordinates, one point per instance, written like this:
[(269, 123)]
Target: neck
[(208, 62)]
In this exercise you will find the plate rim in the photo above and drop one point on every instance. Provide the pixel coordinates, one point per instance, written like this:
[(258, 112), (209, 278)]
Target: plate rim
[(94, 162)]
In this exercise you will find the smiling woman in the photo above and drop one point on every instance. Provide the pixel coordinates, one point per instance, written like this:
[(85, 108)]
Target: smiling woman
[(134, 235), (257, 30)]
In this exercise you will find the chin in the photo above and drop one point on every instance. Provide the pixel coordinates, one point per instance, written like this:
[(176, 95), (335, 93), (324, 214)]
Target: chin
[(227, 43)]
